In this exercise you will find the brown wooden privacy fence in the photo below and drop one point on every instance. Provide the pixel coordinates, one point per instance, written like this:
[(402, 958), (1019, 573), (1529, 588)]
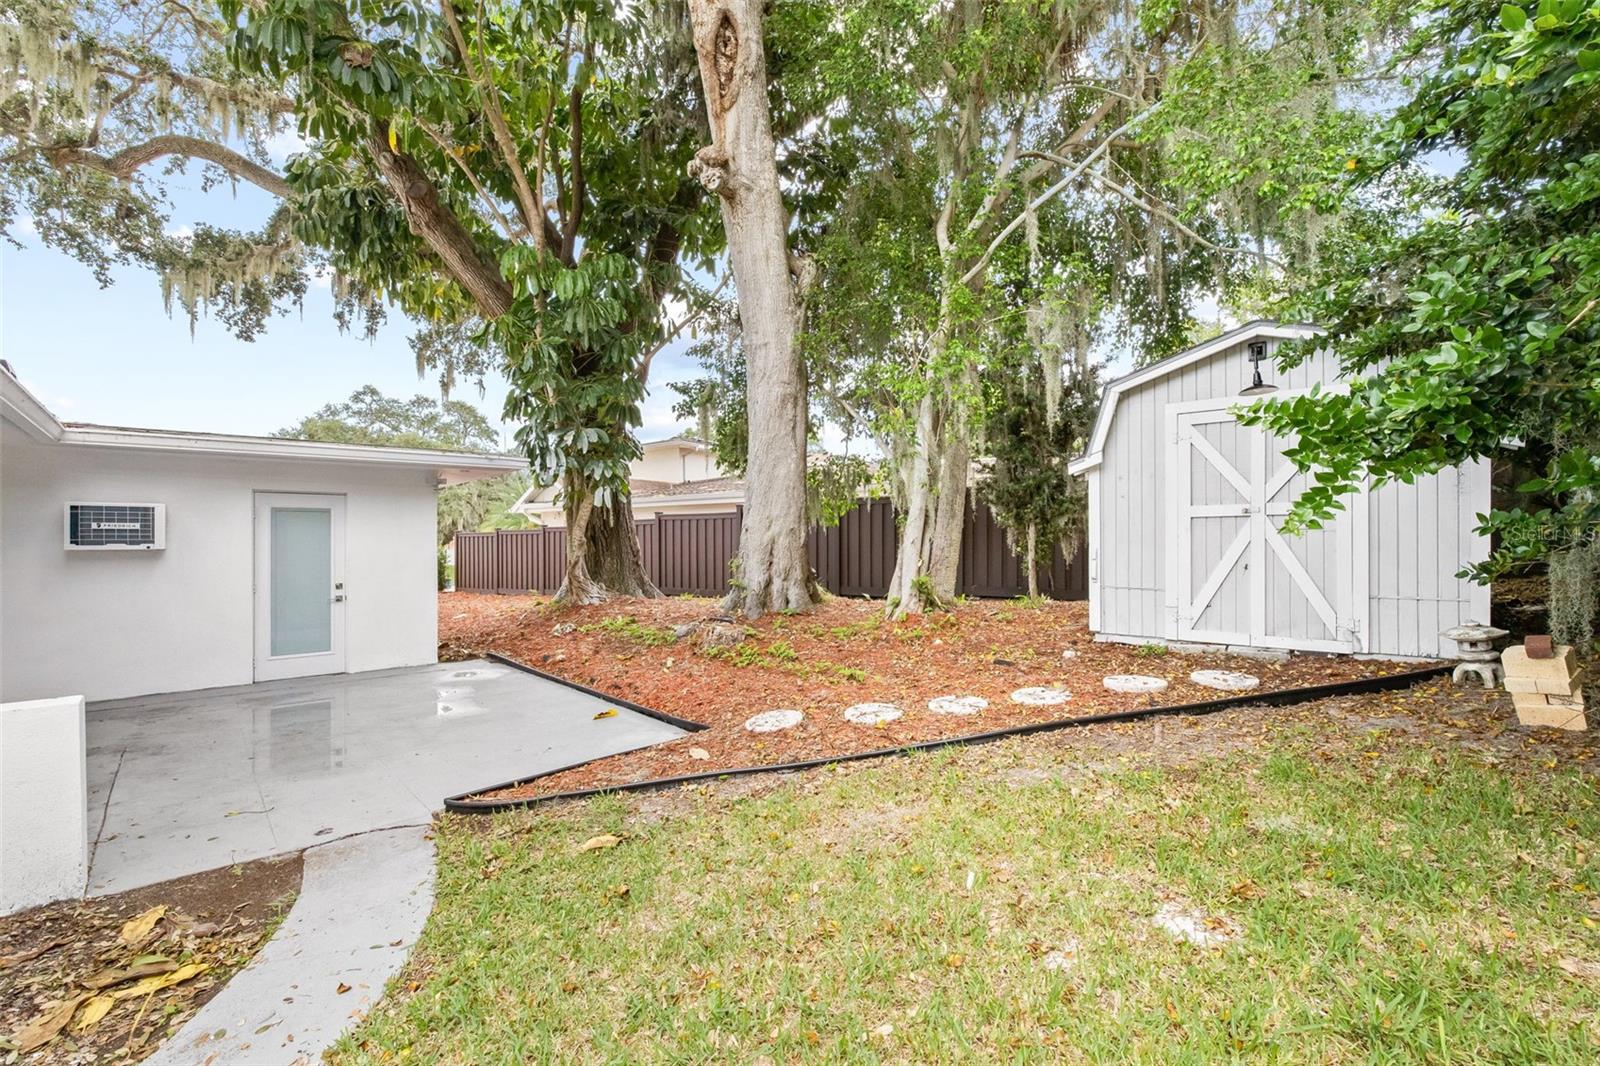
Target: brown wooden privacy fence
[(690, 554)]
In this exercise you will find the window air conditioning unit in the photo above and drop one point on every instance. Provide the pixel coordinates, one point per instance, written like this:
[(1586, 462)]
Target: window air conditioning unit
[(116, 526)]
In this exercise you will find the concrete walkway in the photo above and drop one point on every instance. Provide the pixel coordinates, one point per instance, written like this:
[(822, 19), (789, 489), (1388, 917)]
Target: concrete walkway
[(361, 907), (199, 780)]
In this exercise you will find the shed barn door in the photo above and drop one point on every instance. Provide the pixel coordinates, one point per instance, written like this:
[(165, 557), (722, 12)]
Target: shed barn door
[(1238, 579)]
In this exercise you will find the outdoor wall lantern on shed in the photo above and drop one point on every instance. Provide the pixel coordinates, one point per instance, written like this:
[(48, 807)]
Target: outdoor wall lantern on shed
[(1257, 387)]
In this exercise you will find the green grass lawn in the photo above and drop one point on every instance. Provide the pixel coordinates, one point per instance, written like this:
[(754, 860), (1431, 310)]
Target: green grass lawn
[(1386, 902)]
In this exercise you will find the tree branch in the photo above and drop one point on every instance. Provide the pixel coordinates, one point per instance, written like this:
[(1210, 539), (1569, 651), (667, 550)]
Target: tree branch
[(195, 83), (1008, 160), (1079, 135), (123, 164), (497, 123), (438, 226), (1150, 205), (483, 194), (1055, 190), (575, 187), (688, 320)]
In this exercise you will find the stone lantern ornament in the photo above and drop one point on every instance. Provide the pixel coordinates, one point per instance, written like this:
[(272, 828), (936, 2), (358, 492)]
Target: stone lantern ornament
[(1477, 654)]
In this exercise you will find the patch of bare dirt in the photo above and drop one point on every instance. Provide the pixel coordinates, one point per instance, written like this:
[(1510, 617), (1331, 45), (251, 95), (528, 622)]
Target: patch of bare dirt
[(842, 653), (108, 979)]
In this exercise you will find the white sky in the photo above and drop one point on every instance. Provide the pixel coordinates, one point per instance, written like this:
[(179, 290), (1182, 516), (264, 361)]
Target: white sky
[(114, 356)]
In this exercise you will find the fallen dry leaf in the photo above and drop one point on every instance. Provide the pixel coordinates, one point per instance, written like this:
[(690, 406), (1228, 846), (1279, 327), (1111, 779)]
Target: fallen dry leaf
[(1581, 968), (342, 989), (93, 1011), (114, 976), (30, 954), (604, 840), (157, 983), (609, 712), (192, 926), (46, 1026), (138, 927)]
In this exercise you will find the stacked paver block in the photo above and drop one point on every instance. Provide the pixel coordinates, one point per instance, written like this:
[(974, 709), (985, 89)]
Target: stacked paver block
[(1547, 692)]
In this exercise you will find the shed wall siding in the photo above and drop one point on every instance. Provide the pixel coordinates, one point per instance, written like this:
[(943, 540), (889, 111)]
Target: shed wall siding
[(1419, 535), (1416, 533)]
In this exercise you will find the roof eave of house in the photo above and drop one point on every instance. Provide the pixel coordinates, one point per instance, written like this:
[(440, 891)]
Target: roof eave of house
[(23, 410), (534, 508), (452, 468)]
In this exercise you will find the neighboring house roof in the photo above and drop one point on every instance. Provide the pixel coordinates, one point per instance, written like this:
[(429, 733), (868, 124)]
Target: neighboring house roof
[(645, 491), (1113, 390), (714, 488), (682, 441), (21, 408), (539, 498)]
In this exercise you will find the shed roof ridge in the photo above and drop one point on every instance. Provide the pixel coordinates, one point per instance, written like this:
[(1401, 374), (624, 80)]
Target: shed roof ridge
[(1176, 361)]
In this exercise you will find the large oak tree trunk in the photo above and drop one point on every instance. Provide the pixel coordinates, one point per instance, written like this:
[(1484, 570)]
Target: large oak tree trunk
[(741, 167), (603, 557)]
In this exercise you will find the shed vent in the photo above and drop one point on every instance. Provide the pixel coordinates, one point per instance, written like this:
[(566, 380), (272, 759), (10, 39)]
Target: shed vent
[(116, 526)]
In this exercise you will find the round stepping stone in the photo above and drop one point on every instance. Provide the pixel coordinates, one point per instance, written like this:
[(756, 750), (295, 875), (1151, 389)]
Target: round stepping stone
[(1226, 680), (958, 704), (772, 721), (1135, 683), (871, 713), (1041, 696)]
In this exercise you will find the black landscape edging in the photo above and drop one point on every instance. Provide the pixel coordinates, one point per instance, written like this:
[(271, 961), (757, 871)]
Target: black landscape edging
[(464, 804), (636, 708)]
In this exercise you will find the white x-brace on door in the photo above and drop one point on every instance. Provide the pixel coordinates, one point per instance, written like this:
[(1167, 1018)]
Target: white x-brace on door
[(1239, 579)]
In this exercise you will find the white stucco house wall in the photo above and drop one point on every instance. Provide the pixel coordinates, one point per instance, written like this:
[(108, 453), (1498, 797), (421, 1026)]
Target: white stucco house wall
[(1185, 506), (674, 476), (136, 561)]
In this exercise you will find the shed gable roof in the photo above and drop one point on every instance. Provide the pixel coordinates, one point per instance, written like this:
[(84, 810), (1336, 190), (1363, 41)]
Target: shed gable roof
[(1113, 390)]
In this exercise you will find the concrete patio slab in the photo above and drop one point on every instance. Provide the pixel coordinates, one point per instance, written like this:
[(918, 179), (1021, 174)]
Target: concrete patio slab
[(196, 780), (362, 904)]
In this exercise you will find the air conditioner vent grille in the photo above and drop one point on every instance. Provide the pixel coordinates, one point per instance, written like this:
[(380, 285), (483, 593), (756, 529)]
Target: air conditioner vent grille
[(116, 525)]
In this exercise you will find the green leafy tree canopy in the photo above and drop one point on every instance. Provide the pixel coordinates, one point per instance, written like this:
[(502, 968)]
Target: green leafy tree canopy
[(1469, 325)]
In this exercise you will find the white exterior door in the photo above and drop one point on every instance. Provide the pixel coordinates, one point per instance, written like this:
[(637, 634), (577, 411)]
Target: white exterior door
[(1238, 579), (299, 585)]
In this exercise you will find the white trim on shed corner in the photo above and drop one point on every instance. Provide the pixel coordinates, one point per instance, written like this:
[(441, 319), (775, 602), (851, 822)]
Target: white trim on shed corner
[(20, 407), (1114, 389)]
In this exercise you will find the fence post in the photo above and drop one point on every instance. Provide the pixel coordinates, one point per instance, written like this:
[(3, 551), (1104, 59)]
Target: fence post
[(660, 567)]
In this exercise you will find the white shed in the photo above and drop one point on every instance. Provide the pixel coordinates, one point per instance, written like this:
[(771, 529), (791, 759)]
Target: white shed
[(138, 561), (1185, 506)]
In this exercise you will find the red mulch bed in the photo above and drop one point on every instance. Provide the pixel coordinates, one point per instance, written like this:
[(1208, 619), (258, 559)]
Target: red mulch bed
[(984, 648)]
